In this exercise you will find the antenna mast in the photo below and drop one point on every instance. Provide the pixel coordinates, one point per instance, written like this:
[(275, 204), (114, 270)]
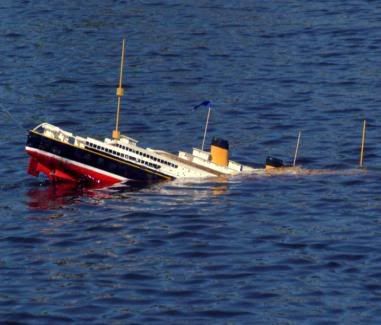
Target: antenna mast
[(206, 128), (297, 149), (119, 94), (362, 144)]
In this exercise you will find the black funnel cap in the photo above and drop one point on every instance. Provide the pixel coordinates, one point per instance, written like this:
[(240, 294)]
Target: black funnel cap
[(221, 143)]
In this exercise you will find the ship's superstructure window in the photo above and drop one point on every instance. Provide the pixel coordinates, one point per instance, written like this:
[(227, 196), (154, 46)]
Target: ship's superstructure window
[(136, 152)]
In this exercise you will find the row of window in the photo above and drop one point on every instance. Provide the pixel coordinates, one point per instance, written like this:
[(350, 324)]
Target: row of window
[(116, 153), (147, 156)]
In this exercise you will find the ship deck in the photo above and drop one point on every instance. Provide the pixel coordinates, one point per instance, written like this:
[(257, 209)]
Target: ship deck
[(187, 162)]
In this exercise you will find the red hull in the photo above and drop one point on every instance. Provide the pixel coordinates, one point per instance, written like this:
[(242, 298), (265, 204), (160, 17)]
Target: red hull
[(59, 169)]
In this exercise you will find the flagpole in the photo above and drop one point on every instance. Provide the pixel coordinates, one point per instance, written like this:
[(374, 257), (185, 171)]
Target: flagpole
[(297, 148), (362, 145), (206, 128)]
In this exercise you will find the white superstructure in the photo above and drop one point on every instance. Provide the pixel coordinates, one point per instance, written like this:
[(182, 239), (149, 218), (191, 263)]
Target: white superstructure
[(198, 164)]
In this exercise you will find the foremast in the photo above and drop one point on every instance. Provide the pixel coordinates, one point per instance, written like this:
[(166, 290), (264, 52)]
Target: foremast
[(119, 94)]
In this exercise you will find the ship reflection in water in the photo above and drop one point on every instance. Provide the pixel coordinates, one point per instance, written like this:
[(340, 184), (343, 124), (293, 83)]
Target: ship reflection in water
[(48, 195), (51, 196)]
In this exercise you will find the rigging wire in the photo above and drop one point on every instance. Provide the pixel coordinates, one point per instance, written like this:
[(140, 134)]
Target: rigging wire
[(8, 113)]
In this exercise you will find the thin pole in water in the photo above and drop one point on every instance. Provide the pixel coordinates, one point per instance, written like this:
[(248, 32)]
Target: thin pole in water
[(297, 148), (362, 144), (206, 128)]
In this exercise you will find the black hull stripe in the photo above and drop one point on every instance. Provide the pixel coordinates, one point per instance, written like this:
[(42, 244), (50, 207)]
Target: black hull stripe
[(95, 159)]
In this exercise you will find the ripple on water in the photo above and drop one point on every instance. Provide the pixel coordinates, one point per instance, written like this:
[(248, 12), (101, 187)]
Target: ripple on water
[(246, 250)]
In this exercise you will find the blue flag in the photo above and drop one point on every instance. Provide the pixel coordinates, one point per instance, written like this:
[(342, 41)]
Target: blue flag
[(206, 103)]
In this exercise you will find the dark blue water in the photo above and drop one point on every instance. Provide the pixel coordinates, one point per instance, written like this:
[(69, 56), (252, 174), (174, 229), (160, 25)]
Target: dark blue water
[(264, 250)]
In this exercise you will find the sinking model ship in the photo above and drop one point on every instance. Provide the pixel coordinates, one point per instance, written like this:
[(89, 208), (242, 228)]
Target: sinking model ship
[(65, 157), (62, 156)]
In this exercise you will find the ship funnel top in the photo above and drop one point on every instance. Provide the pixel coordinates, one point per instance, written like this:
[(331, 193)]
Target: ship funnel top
[(221, 143), (219, 151)]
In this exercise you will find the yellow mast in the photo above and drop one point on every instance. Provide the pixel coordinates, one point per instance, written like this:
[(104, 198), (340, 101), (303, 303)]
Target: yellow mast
[(119, 94), (362, 145)]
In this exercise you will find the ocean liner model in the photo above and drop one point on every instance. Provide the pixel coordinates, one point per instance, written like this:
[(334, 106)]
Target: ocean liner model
[(62, 156)]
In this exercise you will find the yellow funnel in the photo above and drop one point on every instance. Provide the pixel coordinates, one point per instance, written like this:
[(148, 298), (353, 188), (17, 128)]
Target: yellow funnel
[(219, 151)]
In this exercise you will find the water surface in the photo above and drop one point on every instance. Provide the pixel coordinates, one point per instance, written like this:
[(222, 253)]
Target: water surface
[(277, 249)]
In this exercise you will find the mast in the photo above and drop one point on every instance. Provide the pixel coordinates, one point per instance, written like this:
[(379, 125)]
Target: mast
[(119, 94), (297, 148), (206, 128), (362, 145)]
